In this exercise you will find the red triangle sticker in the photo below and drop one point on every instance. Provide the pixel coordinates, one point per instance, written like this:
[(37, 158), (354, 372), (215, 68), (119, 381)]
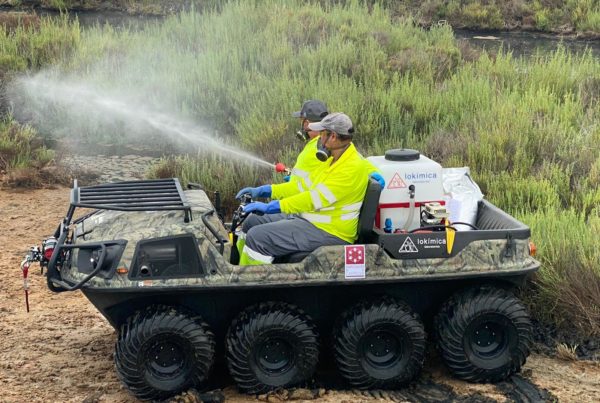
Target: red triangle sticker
[(397, 182)]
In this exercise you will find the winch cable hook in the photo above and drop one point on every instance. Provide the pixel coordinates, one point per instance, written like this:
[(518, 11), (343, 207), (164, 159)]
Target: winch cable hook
[(25, 269)]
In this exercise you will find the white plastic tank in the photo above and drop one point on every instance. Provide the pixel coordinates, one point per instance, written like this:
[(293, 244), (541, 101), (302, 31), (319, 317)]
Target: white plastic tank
[(401, 169)]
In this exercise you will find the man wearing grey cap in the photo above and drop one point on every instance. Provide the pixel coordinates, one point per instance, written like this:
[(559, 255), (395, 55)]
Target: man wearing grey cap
[(326, 213), (312, 111)]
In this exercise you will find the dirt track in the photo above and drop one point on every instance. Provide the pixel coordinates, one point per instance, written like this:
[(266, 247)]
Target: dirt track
[(62, 350)]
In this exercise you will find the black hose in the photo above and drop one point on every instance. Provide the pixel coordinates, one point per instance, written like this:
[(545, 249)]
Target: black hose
[(467, 224), (213, 230)]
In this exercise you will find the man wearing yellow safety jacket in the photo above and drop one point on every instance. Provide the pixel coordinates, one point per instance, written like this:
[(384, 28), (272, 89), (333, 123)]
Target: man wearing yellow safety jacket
[(324, 214), (306, 162), (300, 178)]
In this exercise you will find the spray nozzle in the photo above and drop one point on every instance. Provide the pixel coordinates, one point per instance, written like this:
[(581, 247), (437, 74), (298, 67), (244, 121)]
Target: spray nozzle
[(281, 168)]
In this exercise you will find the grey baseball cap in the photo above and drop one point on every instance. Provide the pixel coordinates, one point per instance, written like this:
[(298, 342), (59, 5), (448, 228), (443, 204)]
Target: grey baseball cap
[(312, 110), (336, 122)]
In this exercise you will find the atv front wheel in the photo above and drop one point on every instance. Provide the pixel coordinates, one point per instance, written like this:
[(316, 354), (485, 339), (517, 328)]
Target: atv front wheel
[(379, 345), (162, 351), (484, 334), (271, 345)]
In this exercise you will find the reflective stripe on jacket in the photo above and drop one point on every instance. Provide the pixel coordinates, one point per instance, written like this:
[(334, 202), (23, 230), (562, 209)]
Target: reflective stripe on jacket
[(300, 179), (333, 201)]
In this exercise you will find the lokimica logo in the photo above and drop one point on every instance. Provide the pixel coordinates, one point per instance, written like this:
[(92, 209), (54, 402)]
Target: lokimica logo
[(408, 246), (414, 176)]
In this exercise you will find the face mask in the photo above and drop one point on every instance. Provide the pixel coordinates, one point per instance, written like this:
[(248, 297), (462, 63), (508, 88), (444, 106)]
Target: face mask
[(323, 153), (302, 135)]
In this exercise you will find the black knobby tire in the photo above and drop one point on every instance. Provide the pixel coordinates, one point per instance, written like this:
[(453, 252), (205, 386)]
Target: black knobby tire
[(379, 344), (271, 345), (484, 334), (162, 351)]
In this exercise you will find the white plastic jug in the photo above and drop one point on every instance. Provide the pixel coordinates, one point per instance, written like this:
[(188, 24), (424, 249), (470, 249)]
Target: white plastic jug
[(401, 169)]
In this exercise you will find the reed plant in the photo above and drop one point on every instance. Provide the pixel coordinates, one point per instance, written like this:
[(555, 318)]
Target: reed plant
[(527, 128)]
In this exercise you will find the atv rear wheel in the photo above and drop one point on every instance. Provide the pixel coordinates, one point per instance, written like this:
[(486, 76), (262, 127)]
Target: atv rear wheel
[(484, 334), (162, 351), (271, 345), (379, 344)]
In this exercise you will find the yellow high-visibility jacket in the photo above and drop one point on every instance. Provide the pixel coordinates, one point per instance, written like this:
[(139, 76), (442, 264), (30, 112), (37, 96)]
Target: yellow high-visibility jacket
[(332, 203), (306, 163), (303, 172)]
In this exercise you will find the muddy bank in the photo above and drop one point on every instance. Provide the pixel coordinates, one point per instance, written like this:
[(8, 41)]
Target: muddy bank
[(152, 8), (493, 18)]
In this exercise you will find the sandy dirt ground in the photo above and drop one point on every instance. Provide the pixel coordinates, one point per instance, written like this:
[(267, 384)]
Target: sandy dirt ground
[(62, 351)]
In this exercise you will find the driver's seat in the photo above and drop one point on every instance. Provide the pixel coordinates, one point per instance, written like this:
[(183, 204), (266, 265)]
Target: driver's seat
[(366, 220)]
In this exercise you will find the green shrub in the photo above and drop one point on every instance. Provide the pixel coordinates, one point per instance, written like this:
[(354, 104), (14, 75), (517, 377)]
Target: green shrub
[(568, 283), (21, 148), (35, 46), (477, 15), (591, 22)]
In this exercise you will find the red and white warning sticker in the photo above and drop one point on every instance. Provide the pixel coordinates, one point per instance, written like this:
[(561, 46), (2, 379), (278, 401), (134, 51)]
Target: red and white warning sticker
[(354, 261), (396, 182)]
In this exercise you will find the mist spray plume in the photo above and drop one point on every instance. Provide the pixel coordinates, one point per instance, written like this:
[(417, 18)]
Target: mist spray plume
[(87, 102)]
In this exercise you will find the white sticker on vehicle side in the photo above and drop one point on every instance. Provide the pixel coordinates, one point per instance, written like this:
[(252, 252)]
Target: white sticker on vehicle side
[(408, 246), (354, 261)]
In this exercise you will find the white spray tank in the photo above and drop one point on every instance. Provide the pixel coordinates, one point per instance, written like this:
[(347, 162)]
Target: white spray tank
[(411, 179)]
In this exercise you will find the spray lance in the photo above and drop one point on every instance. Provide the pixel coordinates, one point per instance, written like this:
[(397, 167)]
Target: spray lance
[(281, 168)]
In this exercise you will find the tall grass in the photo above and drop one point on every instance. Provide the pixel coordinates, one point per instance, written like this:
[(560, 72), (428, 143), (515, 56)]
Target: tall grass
[(528, 128), (569, 289)]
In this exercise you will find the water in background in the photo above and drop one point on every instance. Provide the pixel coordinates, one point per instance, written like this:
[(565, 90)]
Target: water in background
[(526, 43)]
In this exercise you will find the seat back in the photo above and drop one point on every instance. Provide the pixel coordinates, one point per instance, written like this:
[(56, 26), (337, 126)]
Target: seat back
[(368, 211)]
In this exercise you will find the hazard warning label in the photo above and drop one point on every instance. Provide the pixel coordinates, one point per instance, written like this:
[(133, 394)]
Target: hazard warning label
[(408, 246), (396, 182)]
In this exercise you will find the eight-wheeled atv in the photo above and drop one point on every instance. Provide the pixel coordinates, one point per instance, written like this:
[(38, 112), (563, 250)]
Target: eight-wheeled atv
[(155, 260)]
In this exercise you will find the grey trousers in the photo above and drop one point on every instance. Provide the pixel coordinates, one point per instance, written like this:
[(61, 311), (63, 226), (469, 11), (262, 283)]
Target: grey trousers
[(280, 234), (255, 219)]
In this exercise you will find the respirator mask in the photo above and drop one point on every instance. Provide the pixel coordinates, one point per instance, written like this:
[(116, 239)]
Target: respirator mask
[(302, 135), (323, 153)]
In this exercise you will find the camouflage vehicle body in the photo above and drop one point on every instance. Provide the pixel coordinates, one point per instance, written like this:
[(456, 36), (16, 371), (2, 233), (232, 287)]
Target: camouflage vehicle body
[(504, 258), (161, 258)]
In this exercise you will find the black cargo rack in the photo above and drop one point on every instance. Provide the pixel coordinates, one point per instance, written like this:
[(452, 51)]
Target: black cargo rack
[(142, 195)]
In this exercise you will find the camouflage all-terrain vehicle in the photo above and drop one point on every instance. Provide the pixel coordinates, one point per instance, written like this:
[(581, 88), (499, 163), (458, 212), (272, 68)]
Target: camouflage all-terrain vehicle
[(155, 260)]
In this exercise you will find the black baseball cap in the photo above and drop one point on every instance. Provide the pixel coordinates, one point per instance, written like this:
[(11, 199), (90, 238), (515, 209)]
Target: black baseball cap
[(312, 110)]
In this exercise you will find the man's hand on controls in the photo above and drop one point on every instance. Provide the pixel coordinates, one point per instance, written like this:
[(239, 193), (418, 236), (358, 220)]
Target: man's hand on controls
[(377, 176), (265, 208), (261, 191)]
